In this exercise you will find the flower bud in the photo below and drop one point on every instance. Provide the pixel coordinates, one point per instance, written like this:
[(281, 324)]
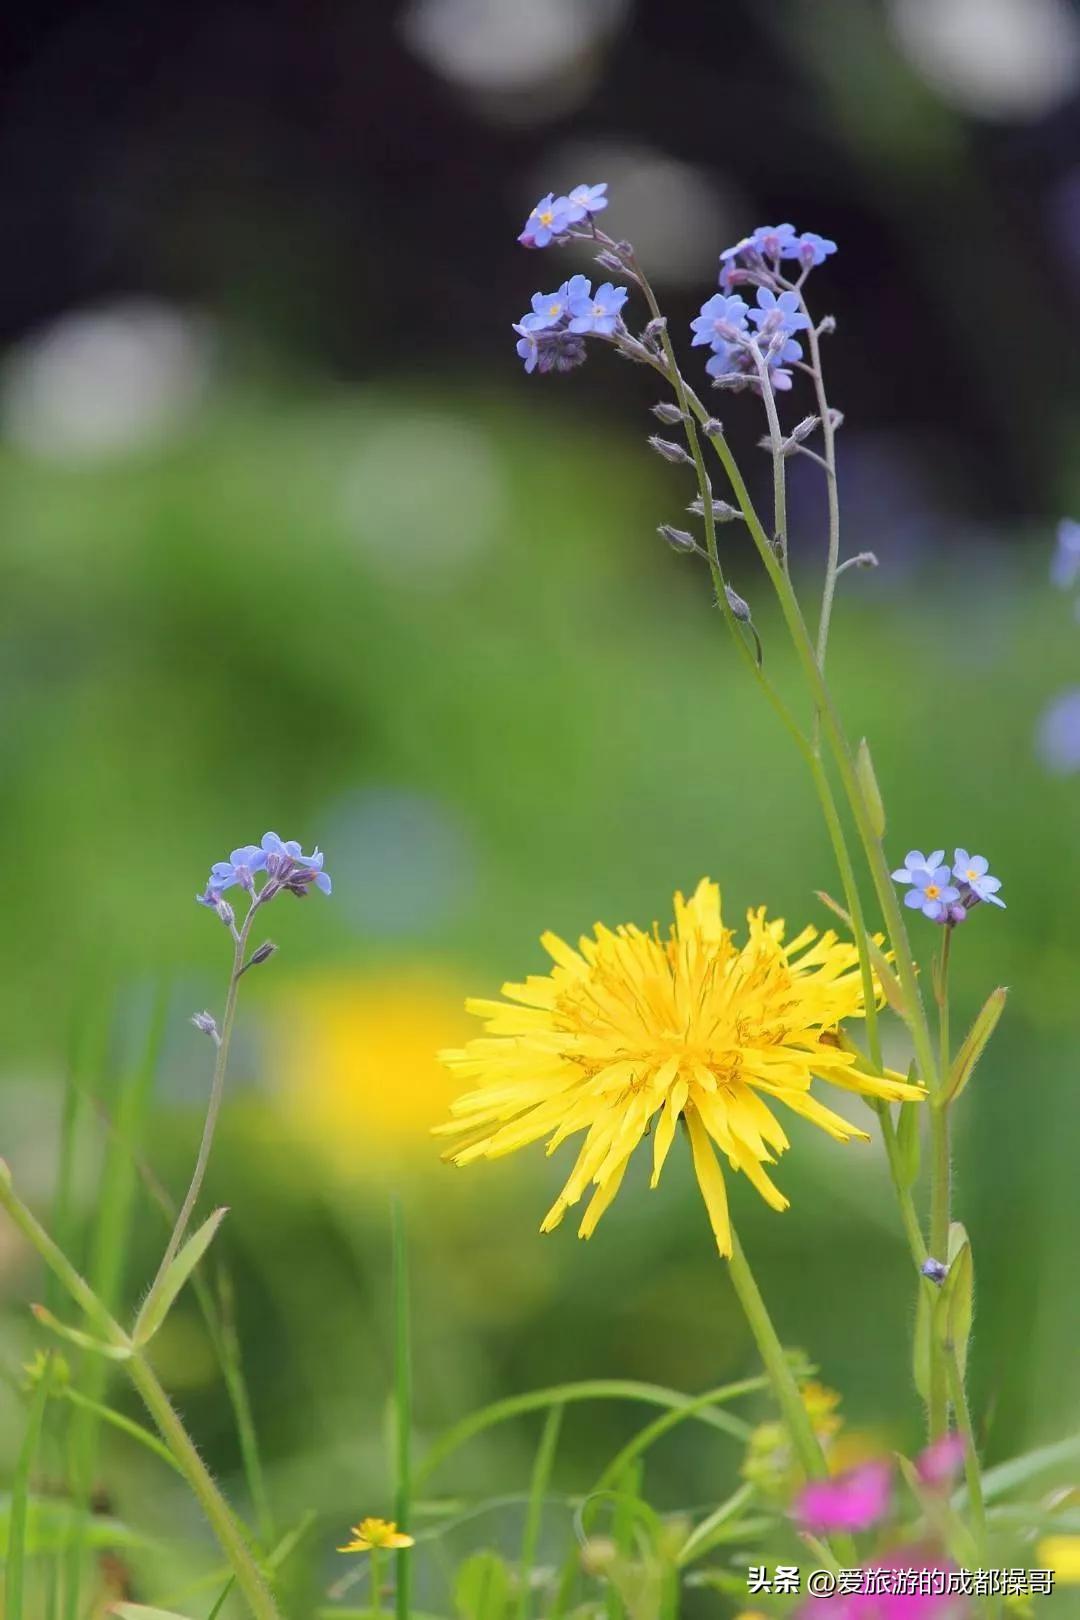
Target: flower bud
[(711, 428), (666, 412), (206, 1024), (609, 261), (225, 912), (735, 602), (263, 954), (935, 1270), (677, 539), (721, 511), (668, 450)]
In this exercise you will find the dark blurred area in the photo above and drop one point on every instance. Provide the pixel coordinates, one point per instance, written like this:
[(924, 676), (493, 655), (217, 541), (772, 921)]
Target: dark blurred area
[(339, 181)]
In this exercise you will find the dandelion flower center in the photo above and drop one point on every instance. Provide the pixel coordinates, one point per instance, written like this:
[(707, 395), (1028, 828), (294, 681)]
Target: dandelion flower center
[(632, 1033)]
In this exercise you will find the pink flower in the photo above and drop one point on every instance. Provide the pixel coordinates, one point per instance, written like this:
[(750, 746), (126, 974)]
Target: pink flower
[(940, 1463), (852, 1501), (906, 1585)]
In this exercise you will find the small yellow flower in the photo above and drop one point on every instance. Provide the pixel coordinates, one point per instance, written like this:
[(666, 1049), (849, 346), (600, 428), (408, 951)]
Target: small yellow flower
[(371, 1535), (1062, 1555), (770, 1461), (633, 1033)]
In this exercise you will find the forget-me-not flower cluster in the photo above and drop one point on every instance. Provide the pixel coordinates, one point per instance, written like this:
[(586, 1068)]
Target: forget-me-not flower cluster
[(947, 893), (265, 869), (553, 216)]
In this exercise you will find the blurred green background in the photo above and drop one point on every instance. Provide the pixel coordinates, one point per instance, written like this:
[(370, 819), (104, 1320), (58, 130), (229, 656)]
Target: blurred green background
[(288, 542)]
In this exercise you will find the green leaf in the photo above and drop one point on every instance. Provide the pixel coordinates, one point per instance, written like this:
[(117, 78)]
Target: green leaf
[(85, 1341), (958, 1301), (160, 1301), (1018, 1470), (868, 787), (482, 1588), (907, 1142), (975, 1042)]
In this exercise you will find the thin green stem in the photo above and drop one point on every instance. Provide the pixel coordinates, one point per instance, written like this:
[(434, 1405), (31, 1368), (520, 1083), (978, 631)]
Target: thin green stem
[(225, 1525), (940, 1189), (402, 1408), (842, 756), (805, 1442), (18, 1523), (828, 437), (134, 1431), (213, 1109), (972, 1470), (908, 1213), (534, 1515), (375, 1569)]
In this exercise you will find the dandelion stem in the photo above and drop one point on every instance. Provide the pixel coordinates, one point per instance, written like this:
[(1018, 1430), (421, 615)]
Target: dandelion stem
[(804, 1440), (213, 1108)]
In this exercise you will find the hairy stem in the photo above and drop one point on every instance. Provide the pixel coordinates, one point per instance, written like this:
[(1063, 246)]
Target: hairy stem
[(940, 1190)]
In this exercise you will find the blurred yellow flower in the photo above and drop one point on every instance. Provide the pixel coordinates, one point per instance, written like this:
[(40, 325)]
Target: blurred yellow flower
[(770, 1461), (633, 1032), (356, 1067), (371, 1535), (1062, 1555)]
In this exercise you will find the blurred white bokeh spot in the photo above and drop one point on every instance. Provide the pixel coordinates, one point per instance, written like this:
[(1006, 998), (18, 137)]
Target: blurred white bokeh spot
[(105, 381), (997, 59), (677, 215), (503, 45), (423, 495)]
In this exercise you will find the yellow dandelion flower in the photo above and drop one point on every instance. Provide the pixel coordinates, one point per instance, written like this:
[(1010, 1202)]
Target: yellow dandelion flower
[(1062, 1555), (633, 1032), (372, 1535)]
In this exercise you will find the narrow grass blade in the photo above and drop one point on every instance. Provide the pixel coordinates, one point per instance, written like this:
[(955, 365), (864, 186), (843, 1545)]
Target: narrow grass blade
[(538, 1487), (591, 1389), (20, 1501)]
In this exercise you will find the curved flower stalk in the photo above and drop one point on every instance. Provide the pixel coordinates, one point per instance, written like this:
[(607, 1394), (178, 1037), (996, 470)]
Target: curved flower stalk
[(762, 339)]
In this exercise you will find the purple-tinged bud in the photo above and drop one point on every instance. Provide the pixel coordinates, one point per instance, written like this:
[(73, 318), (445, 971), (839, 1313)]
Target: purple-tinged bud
[(225, 912), (935, 1270), (721, 511), (609, 261), (827, 326), (712, 428), (666, 412), (836, 419), (263, 953), (864, 559), (677, 539), (206, 1024), (625, 248), (802, 430), (955, 914), (654, 332), (668, 450), (735, 602)]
